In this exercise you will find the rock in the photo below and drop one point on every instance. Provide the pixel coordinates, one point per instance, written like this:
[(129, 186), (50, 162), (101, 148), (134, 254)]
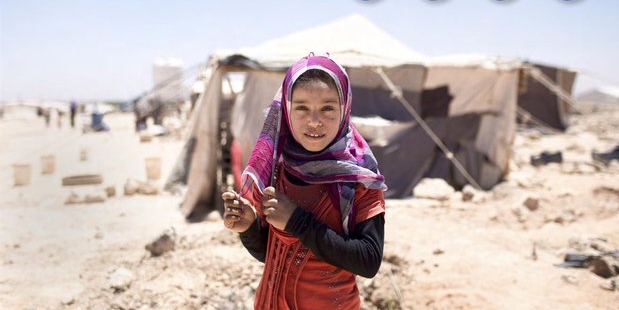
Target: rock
[(94, 198), (165, 243), (562, 217), (73, 198), (148, 189), (145, 137), (436, 189), (586, 168), (610, 284), (110, 191), (579, 168), (522, 214), (131, 187), (601, 244), (570, 278), (470, 193), (68, 300), (521, 179), (120, 280), (531, 203), (603, 267)]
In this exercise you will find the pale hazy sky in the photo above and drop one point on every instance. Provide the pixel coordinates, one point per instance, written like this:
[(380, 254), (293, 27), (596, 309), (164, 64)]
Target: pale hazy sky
[(105, 49)]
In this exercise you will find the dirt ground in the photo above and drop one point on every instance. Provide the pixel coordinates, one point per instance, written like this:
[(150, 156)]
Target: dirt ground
[(465, 250)]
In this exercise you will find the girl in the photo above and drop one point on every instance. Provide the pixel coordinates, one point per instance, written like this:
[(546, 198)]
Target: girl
[(311, 205)]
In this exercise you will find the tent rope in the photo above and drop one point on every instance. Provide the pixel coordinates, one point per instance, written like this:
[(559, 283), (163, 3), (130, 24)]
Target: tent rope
[(397, 93), (175, 77)]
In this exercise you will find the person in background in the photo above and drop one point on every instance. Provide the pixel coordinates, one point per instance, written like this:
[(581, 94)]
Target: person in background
[(53, 116), (72, 112), (142, 110), (311, 204)]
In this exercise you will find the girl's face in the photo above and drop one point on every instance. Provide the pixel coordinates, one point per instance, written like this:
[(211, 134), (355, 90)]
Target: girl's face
[(315, 114)]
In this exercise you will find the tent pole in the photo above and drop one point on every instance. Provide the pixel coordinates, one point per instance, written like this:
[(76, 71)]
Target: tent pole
[(397, 93)]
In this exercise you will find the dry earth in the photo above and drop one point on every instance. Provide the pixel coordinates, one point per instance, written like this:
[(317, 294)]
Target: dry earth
[(474, 250)]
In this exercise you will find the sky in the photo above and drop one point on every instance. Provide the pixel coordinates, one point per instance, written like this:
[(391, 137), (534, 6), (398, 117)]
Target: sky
[(105, 49)]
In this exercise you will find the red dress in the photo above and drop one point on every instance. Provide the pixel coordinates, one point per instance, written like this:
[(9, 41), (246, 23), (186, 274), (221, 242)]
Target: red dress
[(294, 278)]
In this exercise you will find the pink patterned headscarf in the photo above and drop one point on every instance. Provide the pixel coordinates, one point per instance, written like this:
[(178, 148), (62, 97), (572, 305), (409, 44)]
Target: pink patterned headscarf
[(347, 161)]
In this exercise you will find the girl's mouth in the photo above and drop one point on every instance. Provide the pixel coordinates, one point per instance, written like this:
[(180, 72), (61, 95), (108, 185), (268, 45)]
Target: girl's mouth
[(314, 135)]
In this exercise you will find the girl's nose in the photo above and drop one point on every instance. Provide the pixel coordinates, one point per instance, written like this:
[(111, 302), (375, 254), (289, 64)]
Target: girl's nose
[(314, 120)]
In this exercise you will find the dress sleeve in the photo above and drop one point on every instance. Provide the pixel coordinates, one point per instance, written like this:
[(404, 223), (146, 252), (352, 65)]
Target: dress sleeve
[(368, 203), (360, 252), (255, 240)]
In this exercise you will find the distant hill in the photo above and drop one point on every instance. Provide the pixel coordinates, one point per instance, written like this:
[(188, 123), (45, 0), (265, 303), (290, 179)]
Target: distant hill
[(600, 94)]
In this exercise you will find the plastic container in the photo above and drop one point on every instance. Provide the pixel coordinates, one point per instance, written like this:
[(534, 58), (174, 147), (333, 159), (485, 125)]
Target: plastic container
[(83, 154), (48, 164), (153, 168), (22, 174)]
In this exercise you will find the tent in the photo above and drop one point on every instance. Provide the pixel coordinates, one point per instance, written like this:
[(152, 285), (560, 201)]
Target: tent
[(20, 110), (31, 109), (416, 104)]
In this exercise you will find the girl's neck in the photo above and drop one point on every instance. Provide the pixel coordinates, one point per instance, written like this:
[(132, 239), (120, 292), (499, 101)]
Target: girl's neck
[(294, 180)]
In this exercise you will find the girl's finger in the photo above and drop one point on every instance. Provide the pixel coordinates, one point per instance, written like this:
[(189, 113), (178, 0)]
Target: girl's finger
[(269, 191), (229, 195)]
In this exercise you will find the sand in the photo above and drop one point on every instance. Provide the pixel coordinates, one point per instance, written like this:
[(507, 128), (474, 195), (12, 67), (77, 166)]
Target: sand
[(476, 250)]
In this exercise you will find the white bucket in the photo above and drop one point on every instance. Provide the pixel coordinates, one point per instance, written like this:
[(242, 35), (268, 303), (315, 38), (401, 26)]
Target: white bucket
[(153, 167), (83, 154), (48, 164), (21, 174)]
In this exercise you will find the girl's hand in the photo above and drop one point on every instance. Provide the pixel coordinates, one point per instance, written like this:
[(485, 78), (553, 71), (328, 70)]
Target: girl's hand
[(239, 214), (277, 207)]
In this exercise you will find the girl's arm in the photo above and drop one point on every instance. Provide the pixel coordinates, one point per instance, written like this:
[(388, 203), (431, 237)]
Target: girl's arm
[(255, 240), (361, 252)]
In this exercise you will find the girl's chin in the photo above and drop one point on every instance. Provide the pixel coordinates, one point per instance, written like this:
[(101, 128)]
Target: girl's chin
[(314, 146)]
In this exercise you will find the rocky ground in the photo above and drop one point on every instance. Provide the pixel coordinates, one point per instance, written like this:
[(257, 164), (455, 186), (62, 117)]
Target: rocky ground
[(444, 249)]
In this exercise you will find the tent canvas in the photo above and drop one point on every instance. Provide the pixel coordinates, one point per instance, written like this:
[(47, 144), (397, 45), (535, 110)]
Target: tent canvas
[(353, 41)]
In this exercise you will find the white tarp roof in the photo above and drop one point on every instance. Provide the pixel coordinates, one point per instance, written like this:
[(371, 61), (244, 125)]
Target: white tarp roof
[(62, 106), (475, 60), (352, 41)]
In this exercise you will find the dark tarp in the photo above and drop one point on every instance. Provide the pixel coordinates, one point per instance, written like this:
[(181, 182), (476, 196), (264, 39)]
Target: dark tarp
[(543, 104), (409, 155), (371, 97)]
